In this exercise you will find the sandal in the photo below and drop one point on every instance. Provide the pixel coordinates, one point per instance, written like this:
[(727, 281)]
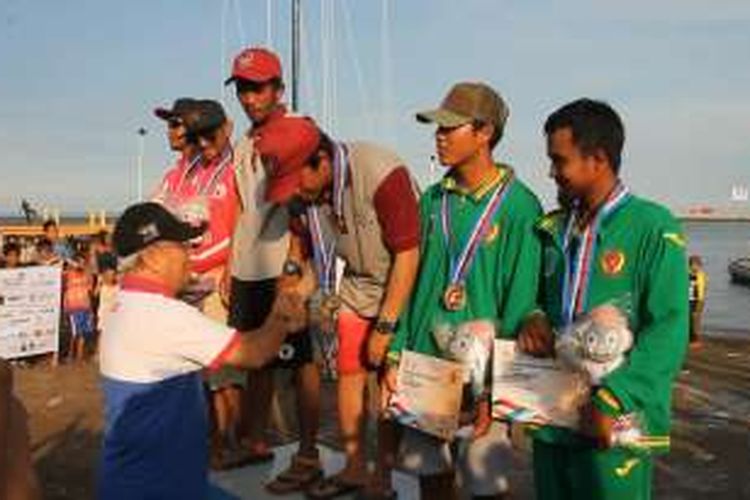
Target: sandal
[(301, 473), (332, 487), (257, 454), (388, 494), (226, 459)]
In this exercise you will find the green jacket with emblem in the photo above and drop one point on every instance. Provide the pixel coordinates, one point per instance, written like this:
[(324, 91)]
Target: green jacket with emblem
[(503, 281), (639, 265)]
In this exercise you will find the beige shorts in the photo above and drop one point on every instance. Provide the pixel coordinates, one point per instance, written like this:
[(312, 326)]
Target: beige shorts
[(481, 465), (226, 376)]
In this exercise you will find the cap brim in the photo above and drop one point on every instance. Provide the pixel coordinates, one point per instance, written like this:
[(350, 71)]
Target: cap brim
[(230, 80), (281, 190), (443, 118), (190, 232), (164, 114)]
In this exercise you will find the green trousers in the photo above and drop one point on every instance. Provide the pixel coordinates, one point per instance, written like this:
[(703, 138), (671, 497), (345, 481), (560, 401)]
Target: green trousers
[(569, 473)]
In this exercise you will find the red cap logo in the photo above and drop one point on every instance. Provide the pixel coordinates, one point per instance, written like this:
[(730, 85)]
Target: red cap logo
[(256, 64)]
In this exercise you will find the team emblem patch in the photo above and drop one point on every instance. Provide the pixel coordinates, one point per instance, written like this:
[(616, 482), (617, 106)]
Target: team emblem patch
[(612, 262), (492, 234)]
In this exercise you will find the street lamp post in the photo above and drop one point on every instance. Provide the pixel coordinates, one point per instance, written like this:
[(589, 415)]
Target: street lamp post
[(141, 149)]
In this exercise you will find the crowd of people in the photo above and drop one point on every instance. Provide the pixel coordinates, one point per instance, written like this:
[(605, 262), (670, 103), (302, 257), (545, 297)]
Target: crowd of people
[(89, 278), (229, 273)]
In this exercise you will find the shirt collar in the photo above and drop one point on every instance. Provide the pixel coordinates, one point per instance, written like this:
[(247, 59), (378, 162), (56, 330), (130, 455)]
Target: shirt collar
[(450, 184), (136, 283)]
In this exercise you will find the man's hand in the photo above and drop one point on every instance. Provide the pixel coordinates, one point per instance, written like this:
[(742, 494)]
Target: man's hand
[(482, 419), (377, 347), (290, 309), (225, 286), (536, 336), (597, 425), (388, 384)]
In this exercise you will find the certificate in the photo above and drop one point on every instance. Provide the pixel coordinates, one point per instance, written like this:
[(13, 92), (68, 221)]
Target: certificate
[(535, 390), (428, 395)]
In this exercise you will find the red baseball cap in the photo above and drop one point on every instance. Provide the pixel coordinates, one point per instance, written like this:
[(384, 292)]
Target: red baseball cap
[(255, 64), (285, 145)]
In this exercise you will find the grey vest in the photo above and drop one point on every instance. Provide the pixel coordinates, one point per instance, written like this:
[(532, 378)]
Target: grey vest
[(367, 260)]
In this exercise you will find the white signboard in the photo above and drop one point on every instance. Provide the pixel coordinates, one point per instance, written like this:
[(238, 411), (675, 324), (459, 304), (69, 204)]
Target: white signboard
[(29, 310)]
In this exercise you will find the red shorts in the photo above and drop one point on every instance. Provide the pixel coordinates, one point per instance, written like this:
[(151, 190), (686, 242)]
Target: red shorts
[(352, 331)]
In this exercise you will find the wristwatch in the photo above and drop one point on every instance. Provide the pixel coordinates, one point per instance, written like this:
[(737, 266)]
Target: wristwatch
[(384, 326), (292, 268)]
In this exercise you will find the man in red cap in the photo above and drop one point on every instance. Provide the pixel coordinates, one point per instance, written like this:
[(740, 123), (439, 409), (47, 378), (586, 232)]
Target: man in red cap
[(362, 208), (259, 258)]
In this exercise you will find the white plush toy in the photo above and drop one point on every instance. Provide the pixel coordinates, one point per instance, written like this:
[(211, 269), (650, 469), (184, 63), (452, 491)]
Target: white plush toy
[(596, 344), (470, 344)]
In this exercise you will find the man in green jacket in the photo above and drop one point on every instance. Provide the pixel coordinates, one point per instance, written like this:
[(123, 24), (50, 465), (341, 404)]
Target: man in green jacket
[(479, 205), (606, 246)]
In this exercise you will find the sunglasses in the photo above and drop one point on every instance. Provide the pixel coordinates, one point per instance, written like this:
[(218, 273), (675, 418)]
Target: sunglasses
[(175, 123), (250, 86)]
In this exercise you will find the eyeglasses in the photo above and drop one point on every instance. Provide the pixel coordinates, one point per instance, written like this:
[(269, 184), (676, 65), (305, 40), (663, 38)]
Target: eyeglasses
[(176, 123)]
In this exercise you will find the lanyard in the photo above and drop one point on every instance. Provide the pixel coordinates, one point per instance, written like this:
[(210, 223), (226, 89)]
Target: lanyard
[(578, 264), (323, 253), (460, 265), (207, 186)]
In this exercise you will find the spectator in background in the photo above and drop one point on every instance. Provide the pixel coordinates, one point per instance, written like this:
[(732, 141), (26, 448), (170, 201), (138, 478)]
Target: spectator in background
[(106, 289), (77, 291), (59, 246), (101, 251), (45, 254), (11, 255), (698, 283)]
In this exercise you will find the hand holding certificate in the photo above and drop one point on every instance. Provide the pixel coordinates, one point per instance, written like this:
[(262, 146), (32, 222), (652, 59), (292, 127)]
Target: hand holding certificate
[(428, 394), (532, 390)]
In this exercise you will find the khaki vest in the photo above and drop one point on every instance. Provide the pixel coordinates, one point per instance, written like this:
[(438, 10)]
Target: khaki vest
[(367, 260)]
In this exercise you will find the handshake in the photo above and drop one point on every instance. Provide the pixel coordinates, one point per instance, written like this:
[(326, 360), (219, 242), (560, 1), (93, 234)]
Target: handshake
[(290, 308)]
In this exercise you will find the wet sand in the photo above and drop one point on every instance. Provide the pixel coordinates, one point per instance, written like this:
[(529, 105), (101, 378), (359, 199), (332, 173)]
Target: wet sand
[(710, 455)]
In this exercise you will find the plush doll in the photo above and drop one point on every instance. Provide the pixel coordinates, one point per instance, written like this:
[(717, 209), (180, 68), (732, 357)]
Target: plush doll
[(470, 344), (597, 343)]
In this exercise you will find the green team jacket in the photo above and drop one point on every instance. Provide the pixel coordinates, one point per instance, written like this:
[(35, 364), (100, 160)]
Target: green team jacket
[(503, 281), (639, 265)]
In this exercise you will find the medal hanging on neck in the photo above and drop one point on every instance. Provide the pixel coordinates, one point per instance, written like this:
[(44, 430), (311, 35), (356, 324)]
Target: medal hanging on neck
[(454, 296), (578, 263), (325, 304)]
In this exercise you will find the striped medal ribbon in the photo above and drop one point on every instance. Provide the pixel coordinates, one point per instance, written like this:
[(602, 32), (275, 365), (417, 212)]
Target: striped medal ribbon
[(578, 267), (454, 297)]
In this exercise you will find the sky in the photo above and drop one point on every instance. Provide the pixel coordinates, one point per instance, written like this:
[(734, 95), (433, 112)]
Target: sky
[(79, 77)]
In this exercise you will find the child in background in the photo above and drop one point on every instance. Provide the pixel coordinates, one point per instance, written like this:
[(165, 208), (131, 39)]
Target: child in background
[(107, 286), (77, 290)]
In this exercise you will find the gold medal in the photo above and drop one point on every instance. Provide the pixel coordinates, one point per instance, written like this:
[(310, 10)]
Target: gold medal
[(454, 298)]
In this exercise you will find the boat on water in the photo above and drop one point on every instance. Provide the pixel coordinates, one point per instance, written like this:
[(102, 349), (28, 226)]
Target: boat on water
[(739, 271)]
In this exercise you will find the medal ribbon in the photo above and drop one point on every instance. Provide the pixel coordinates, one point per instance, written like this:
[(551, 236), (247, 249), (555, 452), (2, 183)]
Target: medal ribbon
[(206, 187), (323, 253), (340, 175), (578, 267), (461, 264)]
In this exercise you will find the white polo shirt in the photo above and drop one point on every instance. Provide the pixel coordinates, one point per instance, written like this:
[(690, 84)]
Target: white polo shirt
[(153, 349)]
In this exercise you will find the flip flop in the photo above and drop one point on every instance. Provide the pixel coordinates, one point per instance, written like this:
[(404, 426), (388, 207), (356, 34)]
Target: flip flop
[(332, 487), (301, 473), (389, 494)]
